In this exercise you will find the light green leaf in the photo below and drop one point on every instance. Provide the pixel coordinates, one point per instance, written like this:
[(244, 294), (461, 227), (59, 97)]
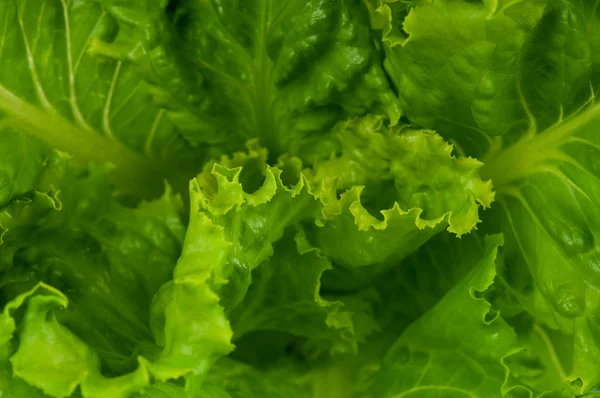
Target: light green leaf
[(10, 385), (187, 318), (253, 205), (402, 187), (119, 321), (269, 275), (52, 358)]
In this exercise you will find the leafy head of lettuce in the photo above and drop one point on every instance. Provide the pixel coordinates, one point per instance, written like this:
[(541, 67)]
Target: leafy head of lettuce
[(281, 199)]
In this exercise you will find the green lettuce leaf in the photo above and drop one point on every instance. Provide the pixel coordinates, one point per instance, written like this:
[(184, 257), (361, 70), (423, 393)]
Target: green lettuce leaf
[(240, 380), (480, 69), (51, 358), (234, 379), (459, 347), (53, 90), (539, 365), (515, 84), (343, 253), (268, 248), (281, 71), (21, 161), (453, 62), (271, 303), (269, 277), (89, 283), (399, 187), (423, 278)]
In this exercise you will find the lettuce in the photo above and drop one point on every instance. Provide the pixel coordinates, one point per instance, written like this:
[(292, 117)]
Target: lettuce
[(299, 198)]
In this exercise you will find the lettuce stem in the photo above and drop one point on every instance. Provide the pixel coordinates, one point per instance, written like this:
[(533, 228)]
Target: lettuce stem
[(136, 174)]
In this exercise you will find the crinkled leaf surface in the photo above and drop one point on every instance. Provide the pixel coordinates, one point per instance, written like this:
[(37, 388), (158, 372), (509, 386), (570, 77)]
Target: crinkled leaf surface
[(261, 253), (322, 252), (399, 187), (281, 71), (251, 202), (525, 71), (110, 317)]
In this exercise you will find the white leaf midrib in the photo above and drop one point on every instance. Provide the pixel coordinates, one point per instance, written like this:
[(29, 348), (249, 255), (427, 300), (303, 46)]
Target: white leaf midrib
[(106, 124), (80, 119), (41, 94)]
